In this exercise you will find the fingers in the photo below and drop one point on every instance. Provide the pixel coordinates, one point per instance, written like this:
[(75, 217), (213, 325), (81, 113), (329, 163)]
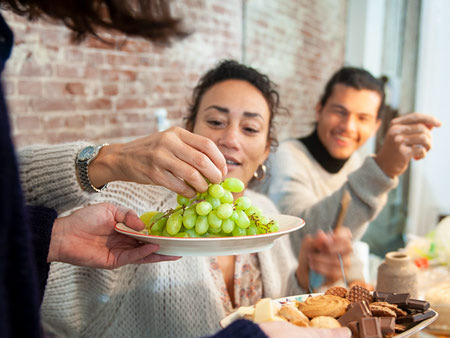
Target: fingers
[(414, 118), (155, 258), (129, 218), (133, 255), (213, 166)]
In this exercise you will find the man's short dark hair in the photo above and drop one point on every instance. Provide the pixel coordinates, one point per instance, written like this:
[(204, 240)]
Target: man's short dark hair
[(356, 78)]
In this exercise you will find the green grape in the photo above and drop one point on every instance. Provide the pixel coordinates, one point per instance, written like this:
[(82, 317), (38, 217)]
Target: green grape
[(225, 211), (174, 222), (214, 221), (227, 197), (165, 233), (227, 225), (203, 208), (157, 222), (146, 217), (191, 233), (215, 202), (189, 218), (239, 232), (233, 184), (263, 220), (242, 221), (273, 226), (214, 231), (216, 190), (182, 200), (252, 230), (243, 203), (182, 234), (254, 210), (155, 233), (202, 225), (234, 215)]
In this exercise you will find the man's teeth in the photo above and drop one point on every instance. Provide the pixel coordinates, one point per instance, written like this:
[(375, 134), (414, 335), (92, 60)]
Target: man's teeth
[(231, 162)]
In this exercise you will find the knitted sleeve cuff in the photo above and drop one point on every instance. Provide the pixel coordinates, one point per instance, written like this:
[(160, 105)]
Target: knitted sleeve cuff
[(41, 221), (48, 176), (241, 328)]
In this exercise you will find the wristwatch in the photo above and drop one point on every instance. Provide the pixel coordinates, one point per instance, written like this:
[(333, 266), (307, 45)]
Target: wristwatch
[(84, 158)]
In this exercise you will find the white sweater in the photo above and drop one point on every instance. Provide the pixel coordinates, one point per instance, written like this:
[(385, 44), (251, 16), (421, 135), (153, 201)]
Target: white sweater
[(167, 299)]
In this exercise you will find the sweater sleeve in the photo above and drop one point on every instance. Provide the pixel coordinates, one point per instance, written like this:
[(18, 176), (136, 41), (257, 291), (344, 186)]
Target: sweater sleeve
[(293, 187), (48, 176), (241, 329)]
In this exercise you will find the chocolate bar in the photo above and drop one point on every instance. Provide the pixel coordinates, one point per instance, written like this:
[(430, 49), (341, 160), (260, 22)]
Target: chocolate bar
[(400, 299), (355, 312), (416, 317), (387, 325), (353, 326), (369, 327), (380, 296), (417, 304)]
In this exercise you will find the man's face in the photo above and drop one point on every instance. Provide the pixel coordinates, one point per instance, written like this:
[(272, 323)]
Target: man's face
[(347, 120)]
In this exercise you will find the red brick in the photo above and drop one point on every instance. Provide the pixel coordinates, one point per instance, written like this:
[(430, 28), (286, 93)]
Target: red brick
[(30, 88), (131, 104), (27, 122), (51, 104), (110, 89), (75, 121), (54, 122), (118, 75), (95, 104), (17, 106), (69, 71), (32, 68), (75, 88)]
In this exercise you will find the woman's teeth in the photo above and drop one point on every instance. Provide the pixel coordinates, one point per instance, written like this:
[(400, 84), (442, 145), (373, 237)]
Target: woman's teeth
[(231, 162)]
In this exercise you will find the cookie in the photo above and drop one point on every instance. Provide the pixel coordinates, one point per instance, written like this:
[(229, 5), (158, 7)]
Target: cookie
[(399, 312), (381, 311), (325, 322), (337, 291), (324, 305), (292, 314), (357, 293)]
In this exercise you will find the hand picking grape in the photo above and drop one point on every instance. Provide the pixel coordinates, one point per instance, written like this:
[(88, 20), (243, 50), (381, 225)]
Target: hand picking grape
[(211, 214)]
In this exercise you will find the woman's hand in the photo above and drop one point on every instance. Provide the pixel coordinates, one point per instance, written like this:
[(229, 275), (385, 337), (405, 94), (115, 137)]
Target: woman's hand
[(175, 158), (87, 238), (285, 329), (320, 254)]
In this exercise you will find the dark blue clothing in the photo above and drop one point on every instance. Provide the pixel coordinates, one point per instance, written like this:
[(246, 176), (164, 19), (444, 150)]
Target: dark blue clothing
[(242, 329), (23, 252)]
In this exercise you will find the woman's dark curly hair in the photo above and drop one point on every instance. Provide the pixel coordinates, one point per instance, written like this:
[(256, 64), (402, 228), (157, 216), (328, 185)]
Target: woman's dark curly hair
[(150, 19), (233, 70)]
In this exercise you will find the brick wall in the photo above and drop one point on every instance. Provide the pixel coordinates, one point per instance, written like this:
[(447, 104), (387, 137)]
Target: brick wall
[(58, 91)]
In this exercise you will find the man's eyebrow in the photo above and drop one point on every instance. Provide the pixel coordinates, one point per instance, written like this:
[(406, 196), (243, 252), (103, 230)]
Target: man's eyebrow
[(227, 111), (337, 105)]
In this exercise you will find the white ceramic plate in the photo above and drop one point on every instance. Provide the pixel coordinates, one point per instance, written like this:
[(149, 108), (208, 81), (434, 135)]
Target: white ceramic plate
[(416, 328), (219, 246)]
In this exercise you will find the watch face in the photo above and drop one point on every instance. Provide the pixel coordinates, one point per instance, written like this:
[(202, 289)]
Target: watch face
[(86, 153)]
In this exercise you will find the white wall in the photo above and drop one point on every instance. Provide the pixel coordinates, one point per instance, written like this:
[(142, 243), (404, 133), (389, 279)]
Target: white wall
[(430, 180)]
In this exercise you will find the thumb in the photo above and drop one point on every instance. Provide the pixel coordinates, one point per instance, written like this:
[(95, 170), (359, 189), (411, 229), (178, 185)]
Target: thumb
[(129, 218)]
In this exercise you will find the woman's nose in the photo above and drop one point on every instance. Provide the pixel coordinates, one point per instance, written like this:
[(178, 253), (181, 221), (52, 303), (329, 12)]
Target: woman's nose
[(229, 137)]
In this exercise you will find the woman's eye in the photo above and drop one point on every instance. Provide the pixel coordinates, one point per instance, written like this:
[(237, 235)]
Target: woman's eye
[(251, 130), (215, 123)]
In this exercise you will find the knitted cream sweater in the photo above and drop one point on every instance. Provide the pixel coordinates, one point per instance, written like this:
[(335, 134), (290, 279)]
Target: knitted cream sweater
[(299, 186), (167, 299)]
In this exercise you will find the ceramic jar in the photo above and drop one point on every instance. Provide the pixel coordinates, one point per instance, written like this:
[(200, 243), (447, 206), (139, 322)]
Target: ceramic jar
[(397, 274)]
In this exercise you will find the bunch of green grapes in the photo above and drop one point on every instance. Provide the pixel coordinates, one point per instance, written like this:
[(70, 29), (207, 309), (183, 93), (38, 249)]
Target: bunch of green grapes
[(211, 214)]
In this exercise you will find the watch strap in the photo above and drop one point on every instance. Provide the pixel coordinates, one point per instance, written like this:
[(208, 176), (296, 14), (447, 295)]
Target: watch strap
[(83, 171)]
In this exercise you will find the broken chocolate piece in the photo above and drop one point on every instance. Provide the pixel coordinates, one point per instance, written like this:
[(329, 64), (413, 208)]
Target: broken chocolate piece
[(380, 296), (355, 312), (369, 327), (354, 327), (400, 299), (387, 325), (417, 304), (417, 317)]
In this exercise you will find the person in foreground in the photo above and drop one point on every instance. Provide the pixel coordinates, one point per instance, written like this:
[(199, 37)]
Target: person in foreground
[(32, 236), (233, 106), (325, 164)]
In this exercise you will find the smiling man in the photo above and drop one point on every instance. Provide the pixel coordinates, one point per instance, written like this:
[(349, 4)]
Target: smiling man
[(309, 175)]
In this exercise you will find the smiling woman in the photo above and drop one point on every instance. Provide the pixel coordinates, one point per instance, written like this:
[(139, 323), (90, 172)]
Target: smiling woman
[(233, 110)]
